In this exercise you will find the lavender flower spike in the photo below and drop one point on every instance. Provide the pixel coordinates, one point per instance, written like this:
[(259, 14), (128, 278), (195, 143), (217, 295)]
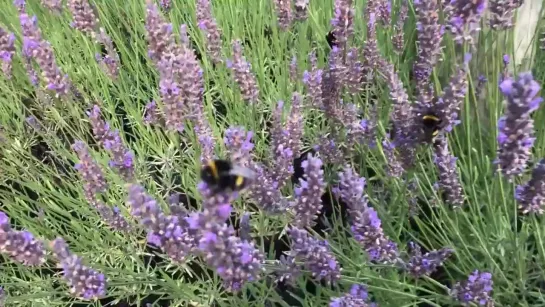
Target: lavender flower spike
[(159, 33), (449, 179), (429, 36), (53, 5), (531, 196), (342, 21), (90, 171), (283, 11), (399, 39), (313, 81), (239, 145), (42, 52), (420, 265), (7, 50), (308, 201), (212, 33), (243, 75), (516, 127), (83, 15), (315, 255), (476, 289), (358, 296), (365, 224), (464, 18), (21, 246), (502, 13), (84, 282), (301, 9)]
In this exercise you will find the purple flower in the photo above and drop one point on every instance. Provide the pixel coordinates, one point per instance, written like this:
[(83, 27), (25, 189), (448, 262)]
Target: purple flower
[(358, 296), (152, 115), (168, 232), (84, 18), (294, 70), (165, 4), (365, 224), (288, 270), (245, 228), (315, 255), (160, 37), (265, 193), (90, 171), (398, 39), (429, 36), (449, 179), (371, 54), (308, 194), (7, 50), (476, 289), (20, 5), (239, 145), (110, 62), (42, 52), (342, 21), (243, 75), (283, 11), (83, 281), (301, 9), (122, 158), (463, 18), (394, 167), (355, 71), (313, 81), (516, 127), (208, 25), (286, 140), (234, 260), (332, 82), (21, 246), (502, 13), (420, 265), (531, 196), (112, 217)]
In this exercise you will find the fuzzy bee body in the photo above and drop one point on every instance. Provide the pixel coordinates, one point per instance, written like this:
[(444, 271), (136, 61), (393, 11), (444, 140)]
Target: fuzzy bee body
[(222, 175), (431, 125)]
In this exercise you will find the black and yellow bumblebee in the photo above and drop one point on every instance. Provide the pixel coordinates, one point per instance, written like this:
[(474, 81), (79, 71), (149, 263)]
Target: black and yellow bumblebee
[(223, 176), (431, 126)]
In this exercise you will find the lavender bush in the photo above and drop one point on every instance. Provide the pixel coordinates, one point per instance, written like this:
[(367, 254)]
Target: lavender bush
[(108, 110)]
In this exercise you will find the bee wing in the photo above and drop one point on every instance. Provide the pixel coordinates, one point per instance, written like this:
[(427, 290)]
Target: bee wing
[(242, 171)]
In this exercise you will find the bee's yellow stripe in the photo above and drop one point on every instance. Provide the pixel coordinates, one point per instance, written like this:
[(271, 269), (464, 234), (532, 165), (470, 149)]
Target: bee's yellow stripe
[(435, 132), (430, 117), (213, 169), (239, 181)]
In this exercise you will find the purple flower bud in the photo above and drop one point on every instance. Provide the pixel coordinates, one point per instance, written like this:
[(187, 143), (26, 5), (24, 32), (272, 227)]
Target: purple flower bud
[(245, 227), (502, 13), (394, 167), (516, 127), (160, 37), (110, 62), (315, 255), (342, 21), (355, 71), (7, 50), (165, 5), (84, 282), (20, 246), (420, 265), (239, 145), (429, 36), (294, 70), (398, 39), (283, 11), (90, 171), (265, 193), (531, 196), (313, 81), (358, 296), (152, 115), (476, 289), (366, 226), (84, 18), (464, 18), (212, 33), (301, 9), (308, 194), (449, 179), (243, 75)]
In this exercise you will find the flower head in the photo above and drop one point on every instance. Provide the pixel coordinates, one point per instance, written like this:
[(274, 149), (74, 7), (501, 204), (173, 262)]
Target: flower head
[(243, 75), (212, 33), (464, 18), (7, 50), (476, 289), (420, 265), (313, 81), (20, 246), (429, 36), (449, 179), (502, 13), (83, 15), (283, 11), (531, 196), (358, 296), (308, 194)]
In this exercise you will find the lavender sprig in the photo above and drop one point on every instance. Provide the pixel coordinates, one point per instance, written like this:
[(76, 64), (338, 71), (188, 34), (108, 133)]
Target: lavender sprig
[(429, 36), (502, 13), (159, 34), (531, 196), (516, 127), (21, 246), (90, 171), (266, 193), (84, 18), (7, 50), (449, 179), (315, 256), (464, 18), (84, 282), (365, 223), (212, 33), (313, 81), (239, 145), (301, 9), (358, 296), (476, 289), (109, 63), (420, 265), (308, 201), (399, 40), (342, 21), (284, 13), (243, 75), (53, 5)]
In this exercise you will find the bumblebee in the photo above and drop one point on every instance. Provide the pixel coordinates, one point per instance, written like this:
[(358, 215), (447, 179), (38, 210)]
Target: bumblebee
[(431, 125), (223, 175)]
